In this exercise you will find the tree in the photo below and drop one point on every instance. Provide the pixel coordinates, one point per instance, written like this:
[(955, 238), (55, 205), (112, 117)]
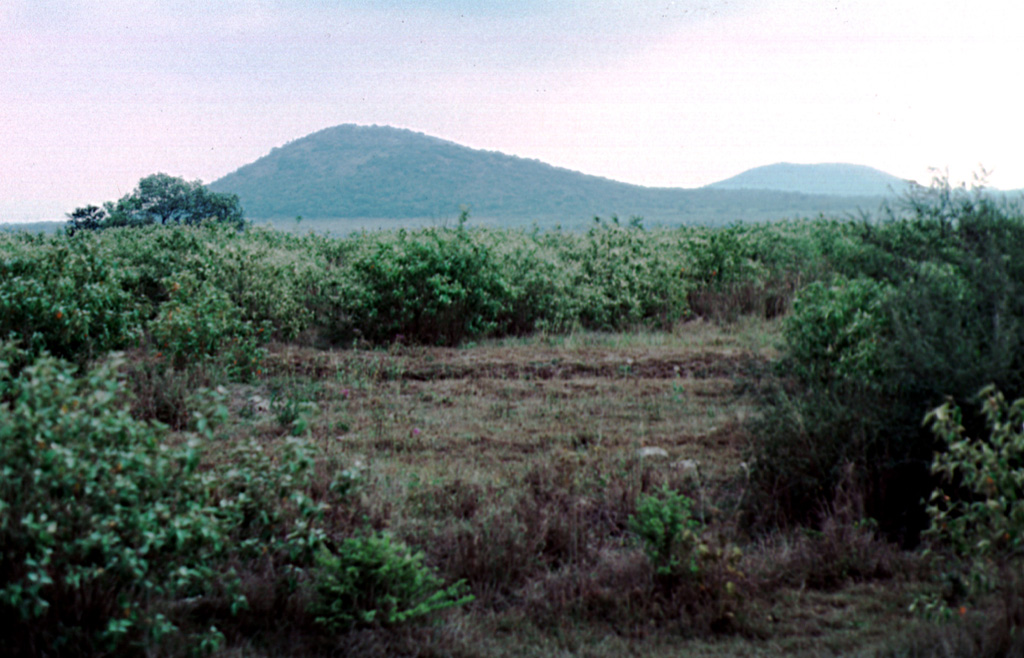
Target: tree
[(161, 199), (88, 218)]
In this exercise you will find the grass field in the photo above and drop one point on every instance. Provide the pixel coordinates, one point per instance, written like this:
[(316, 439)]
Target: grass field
[(515, 464)]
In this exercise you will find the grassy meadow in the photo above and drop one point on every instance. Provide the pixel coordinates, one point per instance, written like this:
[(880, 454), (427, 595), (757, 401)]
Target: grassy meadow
[(796, 438)]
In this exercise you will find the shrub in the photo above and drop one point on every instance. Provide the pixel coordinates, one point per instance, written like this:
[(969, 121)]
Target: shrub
[(977, 520), (269, 276), (429, 286), (834, 333), (434, 286), (539, 295), (65, 297), (374, 580), (982, 517), (669, 533), (103, 523), (199, 322), (100, 519), (117, 537), (933, 307), (835, 414), (696, 575), (621, 277)]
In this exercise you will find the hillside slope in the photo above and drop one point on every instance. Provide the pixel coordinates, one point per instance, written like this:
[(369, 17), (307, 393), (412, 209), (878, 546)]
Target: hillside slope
[(349, 172)]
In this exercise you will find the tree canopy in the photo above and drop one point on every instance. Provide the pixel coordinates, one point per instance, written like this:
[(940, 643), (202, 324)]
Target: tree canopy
[(160, 199)]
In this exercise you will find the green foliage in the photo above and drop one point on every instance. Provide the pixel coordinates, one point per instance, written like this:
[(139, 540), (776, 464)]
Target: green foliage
[(984, 518), (291, 410), (269, 276), (834, 332), (66, 297), (670, 534), (80, 296), (929, 304), (160, 199), (95, 507), (448, 285), (978, 511), (697, 575), (432, 286), (199, 322), (622, 277), (103, 523), (374, 580), (538, 293)]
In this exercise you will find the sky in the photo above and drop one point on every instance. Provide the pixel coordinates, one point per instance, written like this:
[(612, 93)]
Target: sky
[(95, 94)]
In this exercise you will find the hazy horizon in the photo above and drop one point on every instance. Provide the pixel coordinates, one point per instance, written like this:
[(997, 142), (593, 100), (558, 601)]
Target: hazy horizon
[(662, 94)]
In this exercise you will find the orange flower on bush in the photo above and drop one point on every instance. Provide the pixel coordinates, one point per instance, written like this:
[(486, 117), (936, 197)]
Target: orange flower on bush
[(59, 315)]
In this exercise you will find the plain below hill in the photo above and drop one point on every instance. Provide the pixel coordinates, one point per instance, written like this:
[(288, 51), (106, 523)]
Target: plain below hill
[(356, 173)]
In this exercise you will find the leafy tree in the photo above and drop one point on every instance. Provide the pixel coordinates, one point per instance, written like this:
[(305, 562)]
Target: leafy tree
[(88, 218), (161, 199)]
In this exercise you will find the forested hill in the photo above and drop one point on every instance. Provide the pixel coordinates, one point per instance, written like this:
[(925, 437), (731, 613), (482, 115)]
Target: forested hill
[(349, 172)]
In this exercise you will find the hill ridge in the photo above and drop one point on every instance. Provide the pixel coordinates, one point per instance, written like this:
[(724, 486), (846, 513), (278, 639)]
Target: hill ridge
[(351, 171)]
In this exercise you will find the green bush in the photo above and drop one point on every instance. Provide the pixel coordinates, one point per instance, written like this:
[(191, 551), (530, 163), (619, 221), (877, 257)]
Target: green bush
[(988, 522), (697, 580), (270, 276), (80, 296), (622, 277), (100, 519), (65, 296), (114, 534), (539, 295), (434, 286), (373, 580), (930, 308), (199, 322), (835, 333), (104, 523), (669, 532), (977, 513)]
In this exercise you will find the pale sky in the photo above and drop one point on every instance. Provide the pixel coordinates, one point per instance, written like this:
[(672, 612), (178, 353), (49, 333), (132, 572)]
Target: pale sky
[(95, 95)]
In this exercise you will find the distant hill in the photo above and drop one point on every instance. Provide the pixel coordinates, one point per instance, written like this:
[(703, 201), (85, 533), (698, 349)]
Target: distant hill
[(33, 227), (358, 173), (831, 179)]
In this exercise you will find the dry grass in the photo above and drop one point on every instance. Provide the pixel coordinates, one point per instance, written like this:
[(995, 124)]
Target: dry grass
[(515, 465)]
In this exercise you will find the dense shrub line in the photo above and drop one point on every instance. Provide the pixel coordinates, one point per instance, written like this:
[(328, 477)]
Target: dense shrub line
[(82, 295)]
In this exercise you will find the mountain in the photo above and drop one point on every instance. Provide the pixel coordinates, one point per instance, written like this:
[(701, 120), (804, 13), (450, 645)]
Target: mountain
[(833, 179), (354, 173)]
